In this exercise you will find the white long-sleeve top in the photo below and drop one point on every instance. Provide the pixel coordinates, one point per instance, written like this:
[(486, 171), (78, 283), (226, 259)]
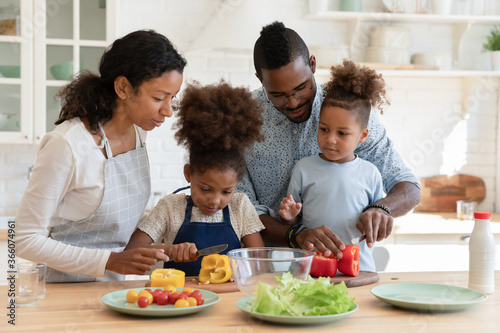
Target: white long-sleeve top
[(67, 184)]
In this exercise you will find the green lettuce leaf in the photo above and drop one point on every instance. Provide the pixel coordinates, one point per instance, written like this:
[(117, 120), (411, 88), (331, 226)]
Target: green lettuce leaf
[(309, 297)]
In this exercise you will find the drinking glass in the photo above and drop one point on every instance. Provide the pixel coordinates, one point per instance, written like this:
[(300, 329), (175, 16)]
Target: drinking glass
[(26, 285), (42, 271)]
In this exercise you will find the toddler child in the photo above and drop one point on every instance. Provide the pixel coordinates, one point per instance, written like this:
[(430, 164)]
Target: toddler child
[(334, 187)]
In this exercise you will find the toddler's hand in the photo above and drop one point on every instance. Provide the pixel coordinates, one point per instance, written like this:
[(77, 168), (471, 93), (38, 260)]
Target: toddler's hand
[(289, 209)]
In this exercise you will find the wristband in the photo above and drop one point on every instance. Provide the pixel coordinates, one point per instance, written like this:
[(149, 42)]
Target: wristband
[(384, 208), (291, 235)]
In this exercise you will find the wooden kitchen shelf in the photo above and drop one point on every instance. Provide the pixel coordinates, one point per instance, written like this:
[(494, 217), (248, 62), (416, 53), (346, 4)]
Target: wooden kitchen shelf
[(461, 25), (402, 17), (321, 72)]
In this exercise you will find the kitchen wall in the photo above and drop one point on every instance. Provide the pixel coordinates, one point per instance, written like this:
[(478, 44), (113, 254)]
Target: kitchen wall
[(439, 124)]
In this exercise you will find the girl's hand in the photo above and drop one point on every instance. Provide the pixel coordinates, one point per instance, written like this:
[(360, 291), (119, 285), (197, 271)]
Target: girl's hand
[(289, 209), (183, 252)]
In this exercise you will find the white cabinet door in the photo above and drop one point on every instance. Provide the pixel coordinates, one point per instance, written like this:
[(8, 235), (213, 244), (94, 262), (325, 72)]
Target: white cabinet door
[(56, 40)]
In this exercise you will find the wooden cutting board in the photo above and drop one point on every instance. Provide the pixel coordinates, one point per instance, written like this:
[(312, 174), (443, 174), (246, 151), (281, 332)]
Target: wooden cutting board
[(441, 193), (362, 279), (220, 288)]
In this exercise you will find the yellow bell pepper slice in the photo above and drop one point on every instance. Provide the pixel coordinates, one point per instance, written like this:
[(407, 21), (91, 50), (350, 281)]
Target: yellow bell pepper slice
[(168, 276), (215, 268)]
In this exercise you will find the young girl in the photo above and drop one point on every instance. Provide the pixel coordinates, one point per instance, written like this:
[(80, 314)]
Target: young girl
[(216, 124), (336, 186)]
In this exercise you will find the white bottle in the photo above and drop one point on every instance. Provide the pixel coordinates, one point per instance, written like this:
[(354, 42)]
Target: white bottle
[(482, 255)]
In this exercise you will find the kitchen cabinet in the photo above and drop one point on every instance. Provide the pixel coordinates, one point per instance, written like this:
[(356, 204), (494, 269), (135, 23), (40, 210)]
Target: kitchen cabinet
[(56, 40), (357, 24)]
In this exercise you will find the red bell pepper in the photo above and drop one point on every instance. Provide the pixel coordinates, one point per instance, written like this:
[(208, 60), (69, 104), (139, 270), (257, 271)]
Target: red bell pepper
[(349, 263), (323, 266)]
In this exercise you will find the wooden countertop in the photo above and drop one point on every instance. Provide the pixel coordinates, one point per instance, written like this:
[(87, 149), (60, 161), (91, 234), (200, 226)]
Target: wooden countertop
[(78, 308)]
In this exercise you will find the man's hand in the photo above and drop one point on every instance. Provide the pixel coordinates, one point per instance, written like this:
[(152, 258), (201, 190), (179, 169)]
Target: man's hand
[(323, 239), (376, 224), (135, 261)]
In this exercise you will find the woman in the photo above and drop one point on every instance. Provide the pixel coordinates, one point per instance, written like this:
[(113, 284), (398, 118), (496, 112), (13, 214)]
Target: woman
[(91, 181)]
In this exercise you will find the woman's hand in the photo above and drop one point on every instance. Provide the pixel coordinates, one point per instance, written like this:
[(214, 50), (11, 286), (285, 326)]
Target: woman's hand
[(183, 252), (135, 261), (289, 209)]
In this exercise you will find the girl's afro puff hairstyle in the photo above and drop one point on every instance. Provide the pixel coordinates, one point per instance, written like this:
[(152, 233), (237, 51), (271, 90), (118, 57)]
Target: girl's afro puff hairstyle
[(217, 123)]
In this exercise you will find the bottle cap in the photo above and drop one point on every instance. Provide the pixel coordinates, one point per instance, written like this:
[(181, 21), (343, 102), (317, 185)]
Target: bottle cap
[(482, 215)]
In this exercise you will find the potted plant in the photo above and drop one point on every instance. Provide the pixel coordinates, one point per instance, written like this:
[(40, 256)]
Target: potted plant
[(492, 44)]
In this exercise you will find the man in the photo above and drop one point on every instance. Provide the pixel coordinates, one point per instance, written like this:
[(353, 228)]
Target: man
[(291, 101)]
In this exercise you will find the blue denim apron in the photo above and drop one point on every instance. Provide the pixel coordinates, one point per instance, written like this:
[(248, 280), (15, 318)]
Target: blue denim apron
[(203, 235)]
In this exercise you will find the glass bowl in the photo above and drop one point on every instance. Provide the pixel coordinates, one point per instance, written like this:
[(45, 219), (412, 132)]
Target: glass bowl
[(251, 265), (10, 71), (63, 70)]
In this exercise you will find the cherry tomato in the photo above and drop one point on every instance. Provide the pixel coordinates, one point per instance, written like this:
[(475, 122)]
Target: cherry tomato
[(183, 296), (199, 299), (173, 297), (170, 287), (149, 290), (143, 301), (182, 303), (195, 293), (155, 295), (132, 296), (192, 301), (147, 294), (188, 290), (162, 298)]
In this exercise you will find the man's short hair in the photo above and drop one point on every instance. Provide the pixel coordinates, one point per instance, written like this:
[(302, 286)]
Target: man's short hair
[(277, 46)]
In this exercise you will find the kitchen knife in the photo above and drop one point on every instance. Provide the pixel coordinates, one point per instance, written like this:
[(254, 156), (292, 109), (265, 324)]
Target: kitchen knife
[(358, 240), (209, 250), (212, 249)]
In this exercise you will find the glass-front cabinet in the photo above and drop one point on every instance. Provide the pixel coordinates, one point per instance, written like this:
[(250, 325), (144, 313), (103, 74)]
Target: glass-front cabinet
[(16, 74), (43, 45)]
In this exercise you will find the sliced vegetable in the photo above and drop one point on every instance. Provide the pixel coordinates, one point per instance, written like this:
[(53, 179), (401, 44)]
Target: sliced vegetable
[(215, 268), (323, 266), (167, 276), (349, 263), (309, 297)]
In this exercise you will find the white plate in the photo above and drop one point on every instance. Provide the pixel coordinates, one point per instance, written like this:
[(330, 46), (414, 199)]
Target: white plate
[(117, 301), (244, 304), (428, 296)]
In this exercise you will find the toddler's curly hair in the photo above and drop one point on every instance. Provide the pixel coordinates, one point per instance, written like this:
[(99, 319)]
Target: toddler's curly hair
[(357, 89), (218, 123)]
